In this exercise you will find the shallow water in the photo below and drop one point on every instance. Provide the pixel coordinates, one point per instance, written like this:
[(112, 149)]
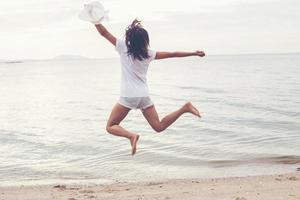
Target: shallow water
[(53, 116)]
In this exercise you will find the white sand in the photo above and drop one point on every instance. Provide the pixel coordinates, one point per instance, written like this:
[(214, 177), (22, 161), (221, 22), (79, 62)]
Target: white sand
[(275, 187)]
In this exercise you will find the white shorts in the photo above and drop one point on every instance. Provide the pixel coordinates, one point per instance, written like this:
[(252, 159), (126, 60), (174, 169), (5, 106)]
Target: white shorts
[(135, 102)]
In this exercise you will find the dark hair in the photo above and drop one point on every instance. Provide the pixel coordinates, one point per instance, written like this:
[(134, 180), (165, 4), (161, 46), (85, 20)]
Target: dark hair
[(137, 41)]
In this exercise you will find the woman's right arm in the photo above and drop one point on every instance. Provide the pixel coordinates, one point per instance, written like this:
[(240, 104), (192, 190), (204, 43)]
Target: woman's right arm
[(106, 34), (163, 55)]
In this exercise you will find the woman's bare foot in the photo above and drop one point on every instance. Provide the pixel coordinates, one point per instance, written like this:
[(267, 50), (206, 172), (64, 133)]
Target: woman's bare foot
[(191, 109), (133, 141)]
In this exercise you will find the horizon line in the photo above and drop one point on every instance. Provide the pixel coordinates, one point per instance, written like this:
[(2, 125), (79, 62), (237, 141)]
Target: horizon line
[(80, 57)]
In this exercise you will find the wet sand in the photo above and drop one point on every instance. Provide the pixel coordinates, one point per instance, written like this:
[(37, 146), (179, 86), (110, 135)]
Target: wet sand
[(269, 187)]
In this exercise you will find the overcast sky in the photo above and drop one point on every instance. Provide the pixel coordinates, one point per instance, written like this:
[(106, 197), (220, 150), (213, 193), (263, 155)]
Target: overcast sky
[(41, 29)]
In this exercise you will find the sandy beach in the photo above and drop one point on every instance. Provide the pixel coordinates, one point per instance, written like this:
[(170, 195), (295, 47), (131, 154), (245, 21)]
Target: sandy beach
[(270, 187)]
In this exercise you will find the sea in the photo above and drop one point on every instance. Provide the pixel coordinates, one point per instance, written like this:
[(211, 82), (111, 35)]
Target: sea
[(53, 115)]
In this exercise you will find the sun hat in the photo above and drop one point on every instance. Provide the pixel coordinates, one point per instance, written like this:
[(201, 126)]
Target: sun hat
[(93, 12)]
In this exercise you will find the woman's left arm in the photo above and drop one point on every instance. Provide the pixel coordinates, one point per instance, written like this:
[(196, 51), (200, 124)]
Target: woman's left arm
[(106, 34), (163, 55)]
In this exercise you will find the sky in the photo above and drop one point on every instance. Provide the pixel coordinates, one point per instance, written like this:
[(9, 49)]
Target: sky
[(43, 29)]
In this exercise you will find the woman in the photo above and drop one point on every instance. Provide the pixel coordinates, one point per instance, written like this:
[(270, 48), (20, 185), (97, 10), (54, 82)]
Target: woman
[(135, 57)]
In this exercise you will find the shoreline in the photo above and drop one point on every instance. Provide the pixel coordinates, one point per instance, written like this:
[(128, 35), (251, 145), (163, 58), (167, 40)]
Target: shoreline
[(266, 187)]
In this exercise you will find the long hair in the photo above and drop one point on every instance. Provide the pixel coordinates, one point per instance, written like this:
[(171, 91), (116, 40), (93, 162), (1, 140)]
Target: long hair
[(137, 41)]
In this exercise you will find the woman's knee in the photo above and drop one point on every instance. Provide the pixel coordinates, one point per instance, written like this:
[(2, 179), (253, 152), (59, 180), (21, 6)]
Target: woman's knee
[(109, 127), (158, 128)]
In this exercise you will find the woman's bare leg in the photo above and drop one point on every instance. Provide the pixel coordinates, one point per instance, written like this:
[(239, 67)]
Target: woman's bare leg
[(118, 113), (152, 117)]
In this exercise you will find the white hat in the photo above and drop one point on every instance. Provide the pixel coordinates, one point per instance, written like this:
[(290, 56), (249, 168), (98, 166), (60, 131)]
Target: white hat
[(93, 12)]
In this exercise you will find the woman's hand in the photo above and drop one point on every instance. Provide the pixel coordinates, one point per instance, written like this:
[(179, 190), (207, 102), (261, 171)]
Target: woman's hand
[(200, 53)]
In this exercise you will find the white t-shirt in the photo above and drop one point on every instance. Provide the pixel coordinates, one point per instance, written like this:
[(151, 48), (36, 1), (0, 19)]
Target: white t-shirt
[(134, 72)]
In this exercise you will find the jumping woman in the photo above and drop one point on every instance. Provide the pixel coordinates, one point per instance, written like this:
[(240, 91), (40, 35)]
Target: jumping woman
[(135, 57)]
